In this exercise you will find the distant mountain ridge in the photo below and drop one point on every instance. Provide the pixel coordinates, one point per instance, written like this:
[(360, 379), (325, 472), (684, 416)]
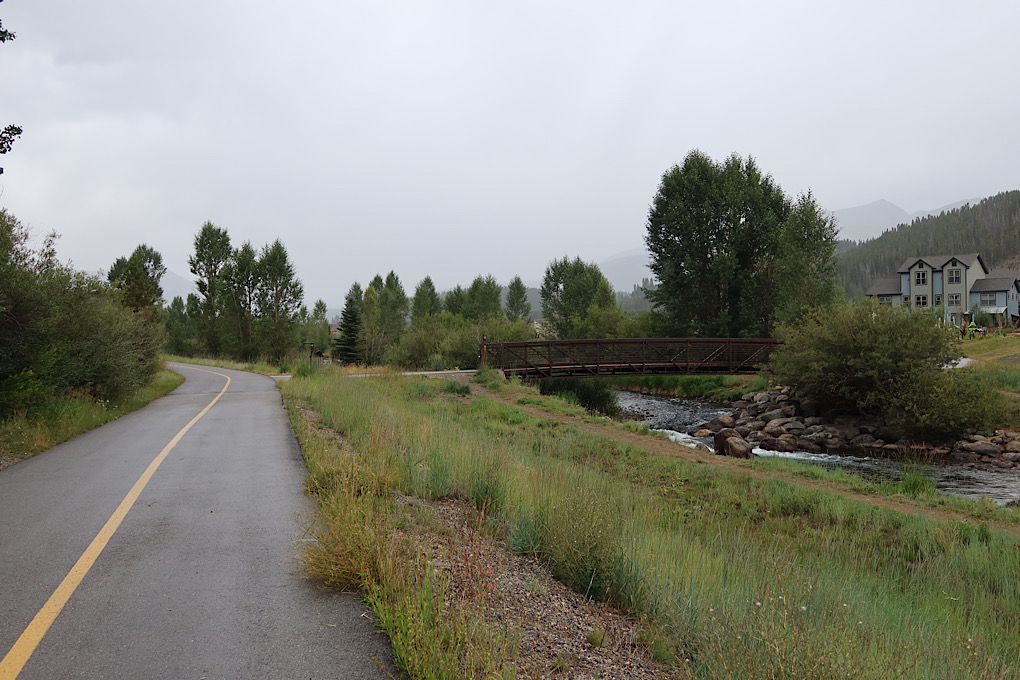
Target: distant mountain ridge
[(868, 221), (990, 227)]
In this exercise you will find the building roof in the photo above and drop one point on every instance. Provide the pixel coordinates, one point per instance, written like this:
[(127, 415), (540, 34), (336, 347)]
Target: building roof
[(1004, 274), (885, 287), (990, 285), (937, 262)]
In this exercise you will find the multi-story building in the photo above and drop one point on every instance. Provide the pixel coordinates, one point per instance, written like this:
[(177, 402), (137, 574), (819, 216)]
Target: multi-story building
[(952, 284)]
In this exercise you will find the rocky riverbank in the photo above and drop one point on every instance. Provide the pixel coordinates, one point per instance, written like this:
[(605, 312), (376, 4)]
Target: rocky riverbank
[(777, 420)]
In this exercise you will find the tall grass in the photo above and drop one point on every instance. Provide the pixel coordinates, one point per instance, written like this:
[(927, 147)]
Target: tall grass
[(734, 576), (25, 435)]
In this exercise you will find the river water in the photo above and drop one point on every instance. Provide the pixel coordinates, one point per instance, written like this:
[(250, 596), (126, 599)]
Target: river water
[(676, 416)]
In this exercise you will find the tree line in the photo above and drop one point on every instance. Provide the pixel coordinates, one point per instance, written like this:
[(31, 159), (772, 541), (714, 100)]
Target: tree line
[(249, 302)]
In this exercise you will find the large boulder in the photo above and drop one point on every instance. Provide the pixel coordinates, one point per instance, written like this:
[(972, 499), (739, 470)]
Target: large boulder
[(720, 437), (981, 448), (737, 448)]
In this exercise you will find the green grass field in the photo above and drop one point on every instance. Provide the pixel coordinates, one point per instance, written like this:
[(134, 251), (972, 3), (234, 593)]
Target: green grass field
[(733, 575)]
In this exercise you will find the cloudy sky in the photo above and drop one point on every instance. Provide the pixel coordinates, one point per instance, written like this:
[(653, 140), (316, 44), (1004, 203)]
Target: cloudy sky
[(458, 138)]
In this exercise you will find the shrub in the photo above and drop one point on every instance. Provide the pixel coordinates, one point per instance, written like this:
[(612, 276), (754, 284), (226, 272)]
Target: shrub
[(884, 362), (593, 394)]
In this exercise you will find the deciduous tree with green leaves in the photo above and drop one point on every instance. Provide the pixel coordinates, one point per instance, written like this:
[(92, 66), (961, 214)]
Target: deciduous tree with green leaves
[(732, 253), (569, 288), (517, 306), (138, 277), (426, 300), (212, 252), (279, 299), (482, 299)]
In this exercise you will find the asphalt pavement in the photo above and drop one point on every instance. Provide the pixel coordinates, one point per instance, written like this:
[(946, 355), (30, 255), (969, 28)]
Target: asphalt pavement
[(199, 578)]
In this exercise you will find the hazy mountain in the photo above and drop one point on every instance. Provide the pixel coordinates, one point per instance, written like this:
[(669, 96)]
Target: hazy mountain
[(869, 221), (626, 270), (174, 284)]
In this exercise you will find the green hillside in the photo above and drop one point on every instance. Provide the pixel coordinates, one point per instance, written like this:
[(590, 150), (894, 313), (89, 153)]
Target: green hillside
[(992, 228)]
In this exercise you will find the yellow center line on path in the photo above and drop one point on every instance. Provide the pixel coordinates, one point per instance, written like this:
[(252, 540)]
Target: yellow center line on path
[(16, 659)]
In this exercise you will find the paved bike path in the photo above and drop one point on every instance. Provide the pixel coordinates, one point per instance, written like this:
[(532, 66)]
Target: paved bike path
[(199, 580)]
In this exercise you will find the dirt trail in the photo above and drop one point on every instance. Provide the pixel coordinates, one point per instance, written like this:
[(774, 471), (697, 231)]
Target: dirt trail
[(670, 448)]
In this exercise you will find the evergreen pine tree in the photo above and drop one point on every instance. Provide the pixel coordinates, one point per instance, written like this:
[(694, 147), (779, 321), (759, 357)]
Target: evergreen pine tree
[(347, 347)]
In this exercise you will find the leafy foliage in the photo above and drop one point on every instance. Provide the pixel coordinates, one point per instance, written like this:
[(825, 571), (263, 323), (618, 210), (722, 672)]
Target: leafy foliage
[(138, 278), (212, 252), (593, 394), (482, 299), (884, 362), (426, 300), (249, 302), (62, 331), (279, 297), (517, 306), (732, 253), (569, 289)]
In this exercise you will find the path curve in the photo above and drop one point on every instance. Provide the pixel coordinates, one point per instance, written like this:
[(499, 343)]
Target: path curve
[(199, 579)]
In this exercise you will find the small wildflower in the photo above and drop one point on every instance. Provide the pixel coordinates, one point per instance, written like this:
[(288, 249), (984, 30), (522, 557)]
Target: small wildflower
[(803, 608), (757, 604)]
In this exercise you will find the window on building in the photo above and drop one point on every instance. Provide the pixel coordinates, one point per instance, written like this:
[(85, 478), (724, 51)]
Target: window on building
[(954, 276), (987, 299), (954, 300), (921, 278), (884, 300), (938, 300), (920, 300)]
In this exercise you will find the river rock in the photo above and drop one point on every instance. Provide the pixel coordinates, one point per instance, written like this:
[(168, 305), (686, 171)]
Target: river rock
[(722, 422), (720, 437), (737, 448), (702, 433), (1011, 456), (809, 407), (808, 445), (981, 448), (965, 456), (781, 445), (1013, 446), (769, 416)]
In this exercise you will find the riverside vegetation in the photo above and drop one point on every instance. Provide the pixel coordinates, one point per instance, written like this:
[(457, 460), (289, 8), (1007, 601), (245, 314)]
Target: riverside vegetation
[(731, 572)]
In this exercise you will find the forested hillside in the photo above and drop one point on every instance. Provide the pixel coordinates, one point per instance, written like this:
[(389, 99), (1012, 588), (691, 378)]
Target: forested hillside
[(992, 228)]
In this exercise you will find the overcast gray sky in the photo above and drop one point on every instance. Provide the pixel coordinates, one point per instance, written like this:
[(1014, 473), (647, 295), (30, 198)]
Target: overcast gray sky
[(464, 138)]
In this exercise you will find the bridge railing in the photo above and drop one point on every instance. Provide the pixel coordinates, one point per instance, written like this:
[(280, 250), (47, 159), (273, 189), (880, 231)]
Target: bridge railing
[(630, 356)]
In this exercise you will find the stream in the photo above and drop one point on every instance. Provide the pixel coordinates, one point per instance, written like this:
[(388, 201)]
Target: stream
[(675, 416)]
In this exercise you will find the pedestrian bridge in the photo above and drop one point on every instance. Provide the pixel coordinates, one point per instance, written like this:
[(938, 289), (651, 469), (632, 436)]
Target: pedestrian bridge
[(630, 356)]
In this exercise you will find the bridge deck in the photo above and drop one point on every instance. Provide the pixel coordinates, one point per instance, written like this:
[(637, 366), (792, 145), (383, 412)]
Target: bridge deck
[(630, 356)]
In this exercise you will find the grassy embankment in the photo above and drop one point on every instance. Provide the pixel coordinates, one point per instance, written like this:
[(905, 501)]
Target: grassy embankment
[(260, 367), (998, 360), (23, 436), (732, 574)]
